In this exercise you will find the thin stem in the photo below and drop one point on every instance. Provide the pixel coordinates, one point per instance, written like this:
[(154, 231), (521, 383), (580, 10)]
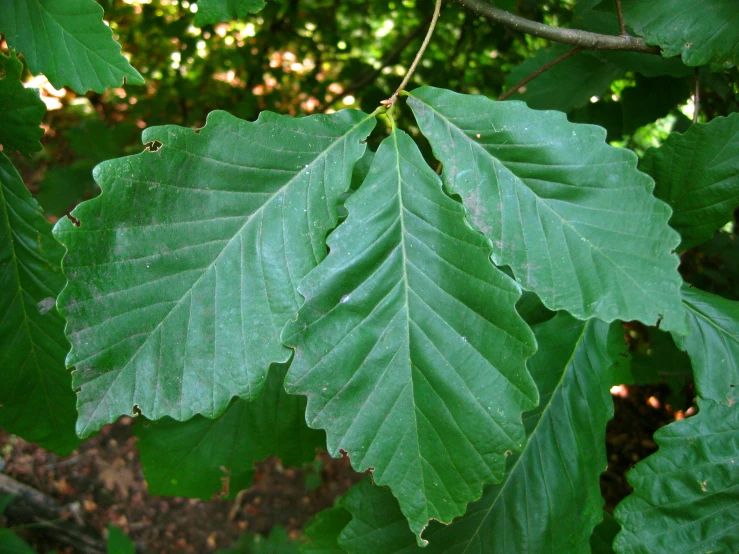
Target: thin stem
[(621, 22), (539, 71), (584, 39), (390, 102), (697, 96), (389, 59)]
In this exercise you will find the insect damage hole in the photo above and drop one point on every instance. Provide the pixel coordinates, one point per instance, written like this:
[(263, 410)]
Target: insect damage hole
[(152, 146)]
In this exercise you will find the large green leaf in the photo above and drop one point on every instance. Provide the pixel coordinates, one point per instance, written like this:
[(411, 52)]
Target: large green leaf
[(216, 11), (21, 109), (569, 84), (713, 344), (533, 508), (408, 346), (322, 531), (193, 458), (67, 41), (701, 32), (686, 495), (571, 216), (605, 21), (697, 173), (36, 397), (184, 270)]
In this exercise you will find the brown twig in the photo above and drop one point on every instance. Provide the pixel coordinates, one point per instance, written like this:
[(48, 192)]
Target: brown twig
[(621, 22), (539, 71), (584, 39), (697, 95)]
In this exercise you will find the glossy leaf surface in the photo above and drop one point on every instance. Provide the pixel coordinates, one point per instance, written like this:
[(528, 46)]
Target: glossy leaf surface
[(21, 109), (200, 457), (686, 494), (532, 508), (571, 216), (36, 397), (697, 174), (183, 272), (67, 41), (713, 344), (408, 346)]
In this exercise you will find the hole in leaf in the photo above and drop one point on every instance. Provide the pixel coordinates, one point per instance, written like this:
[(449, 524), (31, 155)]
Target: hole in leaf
[(153, 146), (76, 222), (136, 410)]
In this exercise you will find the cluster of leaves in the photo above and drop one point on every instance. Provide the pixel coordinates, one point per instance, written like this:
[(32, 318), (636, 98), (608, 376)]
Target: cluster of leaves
[(235, 282)]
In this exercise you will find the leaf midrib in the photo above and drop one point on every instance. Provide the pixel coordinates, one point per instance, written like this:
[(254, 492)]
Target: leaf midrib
[(135, 74), (541, 413), (15, 263), (238, 233), (538, 199)]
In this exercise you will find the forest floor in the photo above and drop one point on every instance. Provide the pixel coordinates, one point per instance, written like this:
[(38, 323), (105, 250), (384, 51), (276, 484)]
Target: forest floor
[(103, 482)]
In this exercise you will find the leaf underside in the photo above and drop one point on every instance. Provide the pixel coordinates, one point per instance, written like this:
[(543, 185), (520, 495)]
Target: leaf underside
[(570, 215), (687, 493), (36, 397), (697, 174), (532, 508), (67, 41), (184, 270), (194, 457), (408, 346), (21, 109)]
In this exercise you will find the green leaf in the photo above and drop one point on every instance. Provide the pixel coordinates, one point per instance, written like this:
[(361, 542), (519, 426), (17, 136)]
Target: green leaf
[(533, 508), (568, 85), (651, 99), (702, 33), (118, 542), (322, 531), (36, 397), (10, 543), (570, 215), (217, 11), (278, 542), (603, 535), (67, 41), (21, 109), (713, 344), (408, 346), (649, 65), (686, 494), (193, 458), (377, 525), (184, 270), (659, 360), (697, 173)]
